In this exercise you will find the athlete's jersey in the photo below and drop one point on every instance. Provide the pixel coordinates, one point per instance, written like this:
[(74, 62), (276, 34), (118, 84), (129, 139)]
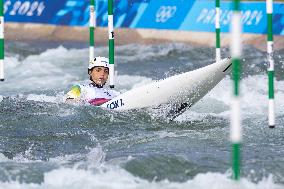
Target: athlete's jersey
[(91, 93)]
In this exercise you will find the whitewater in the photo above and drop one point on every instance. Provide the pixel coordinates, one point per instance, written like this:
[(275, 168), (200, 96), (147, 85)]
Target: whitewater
[(45, 143)]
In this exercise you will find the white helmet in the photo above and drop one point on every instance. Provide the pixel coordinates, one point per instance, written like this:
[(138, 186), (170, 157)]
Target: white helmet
[(99, 61)]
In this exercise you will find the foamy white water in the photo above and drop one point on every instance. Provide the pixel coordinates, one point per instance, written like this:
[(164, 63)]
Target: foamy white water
[(116, 178), (254, 99), (45, 143)]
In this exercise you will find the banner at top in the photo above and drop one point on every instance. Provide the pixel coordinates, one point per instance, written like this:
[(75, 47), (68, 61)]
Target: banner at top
[(254, 18), (58, 12), (190, 15)]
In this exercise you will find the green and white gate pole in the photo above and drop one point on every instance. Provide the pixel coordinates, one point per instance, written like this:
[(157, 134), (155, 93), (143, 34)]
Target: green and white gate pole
[(271, 113), (236, 53), (217, 28), (111, 43), (1, 40), (92, 22)]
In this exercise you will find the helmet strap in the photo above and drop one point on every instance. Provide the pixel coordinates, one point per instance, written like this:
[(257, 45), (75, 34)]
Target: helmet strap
[(96, 85)]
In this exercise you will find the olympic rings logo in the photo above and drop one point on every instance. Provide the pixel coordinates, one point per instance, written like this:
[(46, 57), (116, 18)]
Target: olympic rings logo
[(164, 13)]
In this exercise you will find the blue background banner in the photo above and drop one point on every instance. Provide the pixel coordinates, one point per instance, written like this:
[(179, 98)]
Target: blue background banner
[(254, 19), (193, 15), (163, 14)]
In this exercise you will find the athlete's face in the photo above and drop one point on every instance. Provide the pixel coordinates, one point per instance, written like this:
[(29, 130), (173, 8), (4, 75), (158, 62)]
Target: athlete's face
[(99, 75)]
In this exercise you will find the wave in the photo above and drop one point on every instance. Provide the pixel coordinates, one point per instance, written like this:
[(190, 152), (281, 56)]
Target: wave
[(116, 178), (216, 103), (58, 68)]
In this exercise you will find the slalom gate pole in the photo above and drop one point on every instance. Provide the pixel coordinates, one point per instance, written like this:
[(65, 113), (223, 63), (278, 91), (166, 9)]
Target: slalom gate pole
[(236, 53), (217, 28), (92, 25), (111, 43), (2, 40), (270, 70)]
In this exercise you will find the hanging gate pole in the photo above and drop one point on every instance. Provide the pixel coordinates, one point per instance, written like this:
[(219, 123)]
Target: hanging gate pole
[(217, 28), (92, 23), (111, 43), (236, 54), (270, 70), (2, 40)]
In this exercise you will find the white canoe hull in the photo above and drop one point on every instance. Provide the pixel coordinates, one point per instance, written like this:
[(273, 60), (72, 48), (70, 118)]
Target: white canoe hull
[(179, 91)]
